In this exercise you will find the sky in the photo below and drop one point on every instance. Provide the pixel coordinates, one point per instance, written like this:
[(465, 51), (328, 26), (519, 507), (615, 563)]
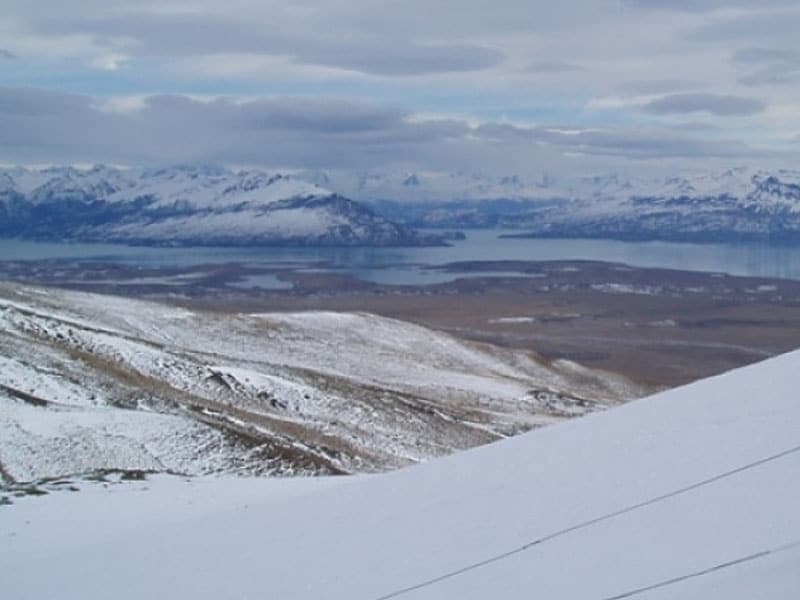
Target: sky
[(511, 86)]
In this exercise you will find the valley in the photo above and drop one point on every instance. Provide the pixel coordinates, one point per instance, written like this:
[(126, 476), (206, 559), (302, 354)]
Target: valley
[(659, 327)]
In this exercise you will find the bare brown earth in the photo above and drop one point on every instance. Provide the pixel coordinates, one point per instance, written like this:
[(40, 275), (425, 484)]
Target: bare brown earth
[(660, 327)]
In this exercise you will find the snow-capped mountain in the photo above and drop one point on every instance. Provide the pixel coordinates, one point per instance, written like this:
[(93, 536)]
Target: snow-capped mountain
[(739, 203), (729, 207), (214, 206), (187, 206), (428, 186)]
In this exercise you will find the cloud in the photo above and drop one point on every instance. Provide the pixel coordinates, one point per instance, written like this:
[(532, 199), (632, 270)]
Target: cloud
[(778, 74), (108, 62), (337, 81), (673, 5), (7, 54), (554, 66), (42, 126), (29, 102), (641, 144), (715, 104), (763, 55), (410, 59), (699, 6), (772, 66), (656, 86), (184, 35), (768, 26)]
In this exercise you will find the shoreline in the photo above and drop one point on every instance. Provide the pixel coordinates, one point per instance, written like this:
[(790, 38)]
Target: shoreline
[(659, 327)]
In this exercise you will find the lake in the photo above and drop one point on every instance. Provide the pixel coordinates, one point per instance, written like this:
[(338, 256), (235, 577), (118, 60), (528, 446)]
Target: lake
[(408, 265)]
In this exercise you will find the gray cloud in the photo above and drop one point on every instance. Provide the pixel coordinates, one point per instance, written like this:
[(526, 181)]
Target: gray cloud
[(42, 126), (772, 66), (554, 66), (703, 5), (411, 59), (656, 86), (780, 74), (30, 102), (715, 104), (643, 144), (768, 27), (696, 127), (186, 35), (389, 21), (763, 55), (7, 54), (673, 5), (626, 49)]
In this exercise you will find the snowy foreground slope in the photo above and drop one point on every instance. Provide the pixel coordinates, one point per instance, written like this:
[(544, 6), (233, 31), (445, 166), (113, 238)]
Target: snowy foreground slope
[(94, 383), (692, 493)]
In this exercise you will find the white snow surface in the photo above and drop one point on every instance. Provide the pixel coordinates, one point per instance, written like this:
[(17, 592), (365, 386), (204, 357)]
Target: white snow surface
[(678, 487)]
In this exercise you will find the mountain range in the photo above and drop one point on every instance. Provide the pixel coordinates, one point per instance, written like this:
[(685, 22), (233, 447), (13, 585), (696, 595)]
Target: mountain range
[(198, 205), (187, 206), (737, 204)]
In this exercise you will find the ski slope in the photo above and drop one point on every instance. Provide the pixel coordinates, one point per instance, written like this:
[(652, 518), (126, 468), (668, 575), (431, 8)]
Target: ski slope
[(692, 493)]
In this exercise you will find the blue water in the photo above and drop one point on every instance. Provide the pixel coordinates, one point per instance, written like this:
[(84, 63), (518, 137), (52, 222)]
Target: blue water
[(265, 281), (408, 265)]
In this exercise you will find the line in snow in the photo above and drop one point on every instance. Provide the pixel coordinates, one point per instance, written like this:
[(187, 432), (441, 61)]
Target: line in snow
[(606, 517), (718, 567)]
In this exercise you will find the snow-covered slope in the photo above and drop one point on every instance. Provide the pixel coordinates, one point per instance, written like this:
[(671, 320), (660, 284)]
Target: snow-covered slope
[(95, 383), (428, 186), (733, 206), (689, 494), (187, 205), (736, 204)]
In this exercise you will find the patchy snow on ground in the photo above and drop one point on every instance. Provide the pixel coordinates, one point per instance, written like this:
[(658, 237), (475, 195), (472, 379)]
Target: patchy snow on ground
[(512, 320), (288, 393), (625, 288), (689, 494)]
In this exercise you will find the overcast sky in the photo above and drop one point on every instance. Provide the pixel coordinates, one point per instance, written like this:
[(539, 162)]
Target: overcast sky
[(521, 86)]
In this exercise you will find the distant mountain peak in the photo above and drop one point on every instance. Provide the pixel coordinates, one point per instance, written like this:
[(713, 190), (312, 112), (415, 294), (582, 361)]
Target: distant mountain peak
[(189, 205), (738, 204)]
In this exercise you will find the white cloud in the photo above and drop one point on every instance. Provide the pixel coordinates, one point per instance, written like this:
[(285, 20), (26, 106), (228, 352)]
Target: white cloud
[(108, 62), (120, 104), (715, 104)]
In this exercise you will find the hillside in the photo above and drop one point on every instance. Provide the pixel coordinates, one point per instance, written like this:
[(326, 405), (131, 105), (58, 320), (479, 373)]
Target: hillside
[(93, 383), (689, 494)]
